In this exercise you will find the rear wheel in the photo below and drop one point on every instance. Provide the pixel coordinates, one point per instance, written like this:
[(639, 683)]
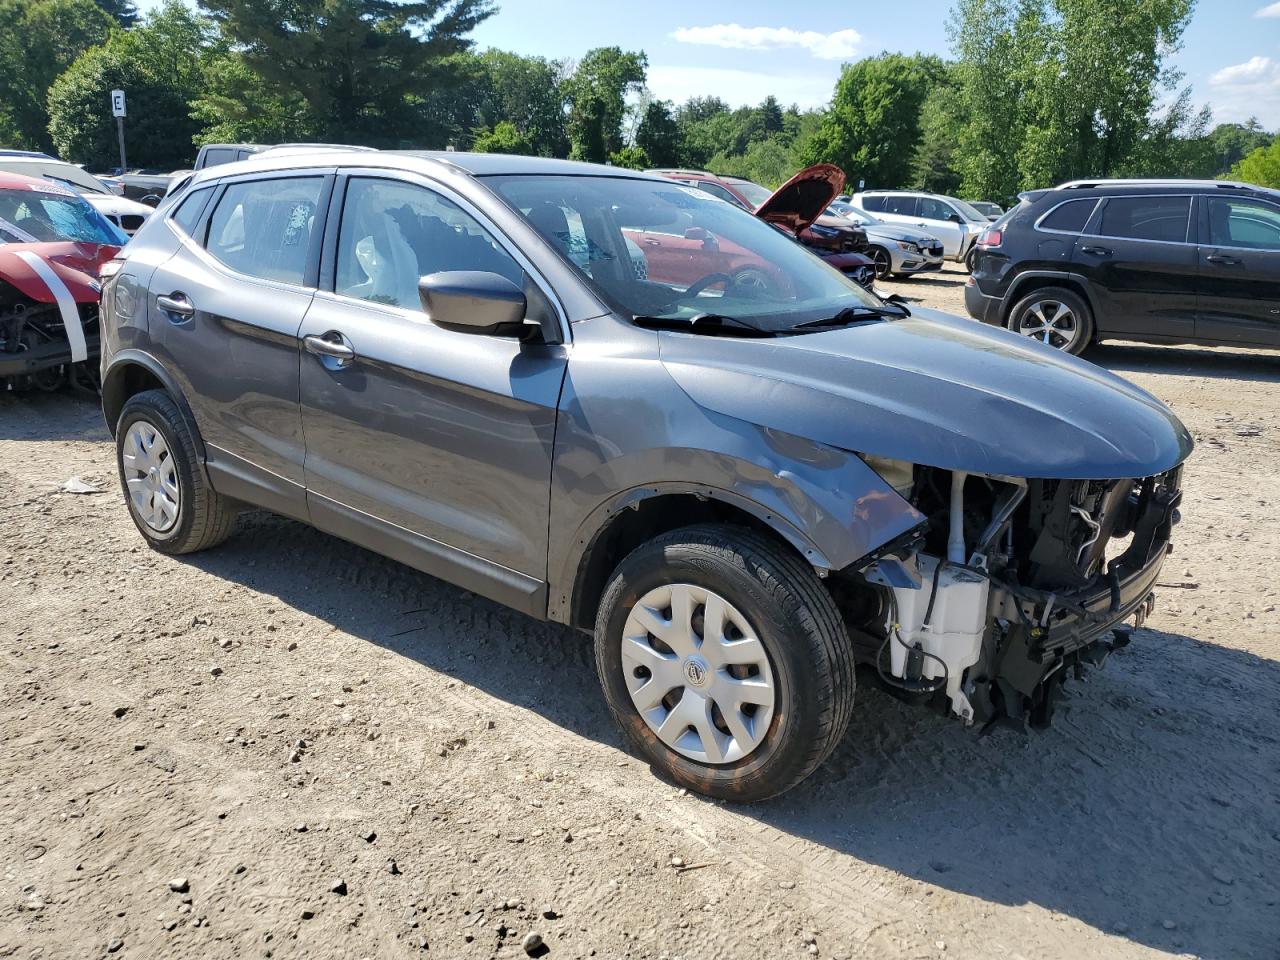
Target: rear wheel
[(171, 502), (725, 661), (1055, 316)]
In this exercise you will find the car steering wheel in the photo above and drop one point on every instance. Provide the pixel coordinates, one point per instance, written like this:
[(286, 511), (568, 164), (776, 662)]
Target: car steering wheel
[(702, 283)]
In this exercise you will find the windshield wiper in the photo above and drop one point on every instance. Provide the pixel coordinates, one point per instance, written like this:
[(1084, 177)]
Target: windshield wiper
[(854, 315), (706, 323)]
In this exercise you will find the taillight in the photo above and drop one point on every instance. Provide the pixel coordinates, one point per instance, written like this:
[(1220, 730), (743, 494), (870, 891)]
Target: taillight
[(990, 237)]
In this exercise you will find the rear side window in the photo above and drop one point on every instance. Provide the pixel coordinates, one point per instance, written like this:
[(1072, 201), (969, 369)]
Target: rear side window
[(874, 204), (219, 155), (188, 213), (903, 206), (263, 228), (1069, 217), (1146, 218)]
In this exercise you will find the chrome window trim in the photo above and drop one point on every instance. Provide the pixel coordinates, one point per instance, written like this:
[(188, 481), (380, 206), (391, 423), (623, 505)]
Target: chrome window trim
[(426, 182), (1189, 197), (1067, 233)]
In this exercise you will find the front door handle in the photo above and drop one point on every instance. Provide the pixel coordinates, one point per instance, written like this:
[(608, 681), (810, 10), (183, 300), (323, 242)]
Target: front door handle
[(332, 345), (1223, 260), (1096, 251), (176, 304)]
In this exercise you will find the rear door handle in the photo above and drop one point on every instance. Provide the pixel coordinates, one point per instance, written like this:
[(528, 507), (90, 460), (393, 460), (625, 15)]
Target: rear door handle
[(1096, 251), (1223, 260), (176, 304), (332, 345)]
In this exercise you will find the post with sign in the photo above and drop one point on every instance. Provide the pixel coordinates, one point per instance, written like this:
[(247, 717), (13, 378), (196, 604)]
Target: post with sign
[(117, 111)]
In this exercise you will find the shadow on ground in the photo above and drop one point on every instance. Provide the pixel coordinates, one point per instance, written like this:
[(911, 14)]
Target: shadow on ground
[(1223, 363), (1151, 803)]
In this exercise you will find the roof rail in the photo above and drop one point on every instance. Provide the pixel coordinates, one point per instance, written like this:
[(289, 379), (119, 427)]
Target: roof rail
[(695, 173), (1153, 182)]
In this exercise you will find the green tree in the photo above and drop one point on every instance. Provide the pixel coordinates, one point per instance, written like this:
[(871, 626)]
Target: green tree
[(39, 39), (933, 167), (526, 92), (632, 157), (123, 12), (503, 138), (596, 93), (767, 162), (160, 66), (236, 105), (1262, 167), (360, 65), (1230, 143), (659, 135), (873, 126)]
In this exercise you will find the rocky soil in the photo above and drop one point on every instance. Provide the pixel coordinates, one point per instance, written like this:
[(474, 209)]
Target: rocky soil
[(289, 747)]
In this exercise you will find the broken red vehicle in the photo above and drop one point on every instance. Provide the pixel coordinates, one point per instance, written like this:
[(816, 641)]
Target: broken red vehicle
[(798, 208), (52, 245)]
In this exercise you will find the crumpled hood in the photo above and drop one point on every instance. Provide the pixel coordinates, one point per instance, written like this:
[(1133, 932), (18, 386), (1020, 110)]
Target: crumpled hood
[(75, 264), (936, 390)]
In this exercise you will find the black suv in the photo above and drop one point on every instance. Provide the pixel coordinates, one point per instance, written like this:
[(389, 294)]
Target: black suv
[(1163, 261)]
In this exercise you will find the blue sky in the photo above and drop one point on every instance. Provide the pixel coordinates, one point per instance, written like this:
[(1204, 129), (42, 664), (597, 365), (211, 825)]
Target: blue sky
[(745, 49)]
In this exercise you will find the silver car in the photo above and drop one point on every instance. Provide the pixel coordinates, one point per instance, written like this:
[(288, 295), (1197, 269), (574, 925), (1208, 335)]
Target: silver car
[(895, 250), (738, 471)]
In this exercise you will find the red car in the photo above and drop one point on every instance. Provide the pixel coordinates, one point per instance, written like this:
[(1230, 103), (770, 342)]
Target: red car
[(798, 207), (52, 244)]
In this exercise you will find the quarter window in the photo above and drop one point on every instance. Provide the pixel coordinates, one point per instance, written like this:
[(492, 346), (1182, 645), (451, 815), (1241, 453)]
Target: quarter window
[(395, 233), (1244, 223), (1069, 217), (188, 213), (1146, 218), (263, 228)]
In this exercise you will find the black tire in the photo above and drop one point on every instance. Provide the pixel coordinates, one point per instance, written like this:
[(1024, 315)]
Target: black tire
[(797, 623), (204, 517), (971, 259), (1049, 302), (883, 260)]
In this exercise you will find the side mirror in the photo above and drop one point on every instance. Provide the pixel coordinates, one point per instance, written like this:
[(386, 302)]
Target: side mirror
[(955, 218), (708, 238), (473, 301)]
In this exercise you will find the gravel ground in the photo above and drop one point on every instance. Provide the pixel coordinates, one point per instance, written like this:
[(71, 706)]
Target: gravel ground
[(290, 747)]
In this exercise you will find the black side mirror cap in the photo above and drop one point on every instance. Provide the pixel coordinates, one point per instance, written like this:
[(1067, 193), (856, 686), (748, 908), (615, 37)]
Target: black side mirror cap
[(473, 301)]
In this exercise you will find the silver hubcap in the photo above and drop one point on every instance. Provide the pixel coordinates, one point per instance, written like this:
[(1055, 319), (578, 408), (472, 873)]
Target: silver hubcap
[(151, 476), (1051, 322), (697, 673)]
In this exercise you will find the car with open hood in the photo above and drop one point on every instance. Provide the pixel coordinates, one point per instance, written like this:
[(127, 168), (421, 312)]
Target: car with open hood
[(52, 244), (741, 485), (798, 207)]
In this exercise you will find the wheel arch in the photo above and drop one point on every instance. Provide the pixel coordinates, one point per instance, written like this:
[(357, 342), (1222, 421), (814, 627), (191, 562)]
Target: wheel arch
[(130, 373), (637, 515), (1033, 280)]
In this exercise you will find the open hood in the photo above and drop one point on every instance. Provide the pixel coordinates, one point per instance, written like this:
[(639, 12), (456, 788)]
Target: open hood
[(801, 200)]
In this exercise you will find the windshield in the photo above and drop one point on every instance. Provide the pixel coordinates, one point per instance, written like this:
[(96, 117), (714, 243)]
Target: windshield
[(842, 209), (81, 188), (966, 211), (34, 216), (662, 250), (754, 193)]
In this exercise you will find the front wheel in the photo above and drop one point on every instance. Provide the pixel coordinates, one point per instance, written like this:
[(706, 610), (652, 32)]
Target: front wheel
[(1056, 317), (971, 259), (725, 661), (882, 260)]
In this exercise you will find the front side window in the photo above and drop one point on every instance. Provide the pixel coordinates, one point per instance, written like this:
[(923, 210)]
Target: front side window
[(1244, 223), (931, 209), (665, 251), (263, 228), (394, 233), (1146, 218), (1069, 217)]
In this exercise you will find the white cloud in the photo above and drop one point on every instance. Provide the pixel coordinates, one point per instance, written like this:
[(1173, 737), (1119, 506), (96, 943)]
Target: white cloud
[(1271, 10), (742, 87), (1249, 89), (839, 45)]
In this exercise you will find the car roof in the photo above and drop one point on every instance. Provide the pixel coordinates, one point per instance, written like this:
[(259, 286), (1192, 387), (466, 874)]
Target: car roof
[(430, 162)]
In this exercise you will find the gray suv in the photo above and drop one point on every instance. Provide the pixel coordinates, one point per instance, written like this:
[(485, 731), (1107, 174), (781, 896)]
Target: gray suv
[(503, 371)]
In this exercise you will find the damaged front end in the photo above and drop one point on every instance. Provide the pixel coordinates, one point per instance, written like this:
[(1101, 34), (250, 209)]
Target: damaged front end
[(1010, 585)]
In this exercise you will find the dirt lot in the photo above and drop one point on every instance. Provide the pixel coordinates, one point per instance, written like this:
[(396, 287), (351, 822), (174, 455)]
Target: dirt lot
[(330, 755)]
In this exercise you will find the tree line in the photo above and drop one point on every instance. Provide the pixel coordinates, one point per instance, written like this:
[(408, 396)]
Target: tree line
[(1036, 92)]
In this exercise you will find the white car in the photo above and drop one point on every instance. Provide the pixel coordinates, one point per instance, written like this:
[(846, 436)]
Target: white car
[(128, 215), (952, 221)]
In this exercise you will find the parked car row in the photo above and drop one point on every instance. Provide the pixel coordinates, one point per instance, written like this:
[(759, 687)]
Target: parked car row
[(615, 401), (107, 197)]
